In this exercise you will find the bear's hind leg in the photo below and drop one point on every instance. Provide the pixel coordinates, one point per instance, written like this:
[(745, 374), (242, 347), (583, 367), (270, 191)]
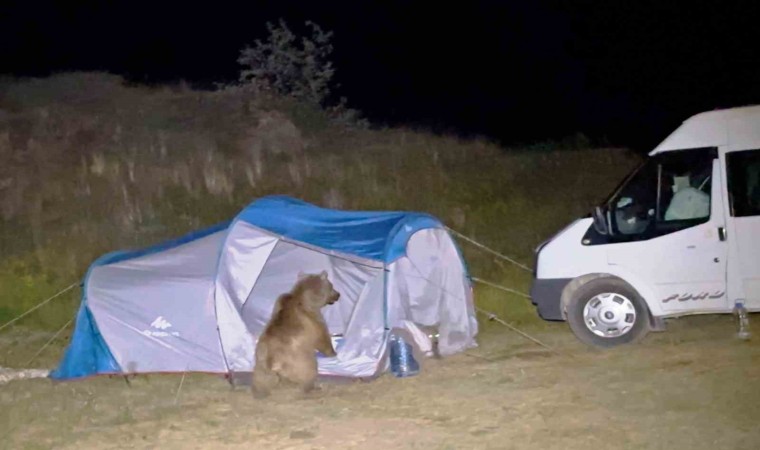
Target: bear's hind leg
[(263, 381), (303, 373)]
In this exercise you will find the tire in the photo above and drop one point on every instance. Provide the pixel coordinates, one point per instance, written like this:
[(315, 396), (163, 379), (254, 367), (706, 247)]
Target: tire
[(607, 312)]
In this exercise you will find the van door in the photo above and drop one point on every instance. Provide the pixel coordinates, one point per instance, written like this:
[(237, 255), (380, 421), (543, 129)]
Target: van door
[(669, 219), (743, 175)]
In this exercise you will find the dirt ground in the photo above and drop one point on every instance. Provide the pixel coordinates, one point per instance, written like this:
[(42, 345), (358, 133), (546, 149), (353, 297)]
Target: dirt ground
[(692, 387)]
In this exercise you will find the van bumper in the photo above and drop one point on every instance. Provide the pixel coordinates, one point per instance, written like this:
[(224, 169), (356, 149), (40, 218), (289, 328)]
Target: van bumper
[(546, 294)]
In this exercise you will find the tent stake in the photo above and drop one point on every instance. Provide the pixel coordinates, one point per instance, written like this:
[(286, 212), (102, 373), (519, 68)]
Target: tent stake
[(231, 379), (179, 389)]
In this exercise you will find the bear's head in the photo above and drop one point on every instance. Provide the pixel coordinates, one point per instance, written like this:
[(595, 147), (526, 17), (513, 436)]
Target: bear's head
[(316, 290)]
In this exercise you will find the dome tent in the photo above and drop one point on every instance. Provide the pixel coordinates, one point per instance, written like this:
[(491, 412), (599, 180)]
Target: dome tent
[(198, 303)]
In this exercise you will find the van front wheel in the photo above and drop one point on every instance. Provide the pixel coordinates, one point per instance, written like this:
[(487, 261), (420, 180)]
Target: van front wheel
[(607, 312)]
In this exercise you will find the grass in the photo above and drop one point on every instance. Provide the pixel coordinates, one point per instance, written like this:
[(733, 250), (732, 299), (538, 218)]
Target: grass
[(95, 165)]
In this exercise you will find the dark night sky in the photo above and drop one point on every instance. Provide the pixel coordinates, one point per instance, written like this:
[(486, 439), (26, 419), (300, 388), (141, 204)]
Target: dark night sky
[(626, 71)]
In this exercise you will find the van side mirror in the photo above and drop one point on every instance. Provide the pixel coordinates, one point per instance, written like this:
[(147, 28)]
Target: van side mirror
[(600, 221)]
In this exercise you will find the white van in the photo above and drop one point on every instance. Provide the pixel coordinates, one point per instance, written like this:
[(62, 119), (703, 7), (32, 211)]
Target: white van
[(680, 236)]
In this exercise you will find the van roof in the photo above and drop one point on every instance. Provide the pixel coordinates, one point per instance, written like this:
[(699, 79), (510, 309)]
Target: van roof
[(736, 127)]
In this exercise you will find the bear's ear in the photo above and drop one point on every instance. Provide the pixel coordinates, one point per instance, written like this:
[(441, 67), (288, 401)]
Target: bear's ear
[(323, 274)]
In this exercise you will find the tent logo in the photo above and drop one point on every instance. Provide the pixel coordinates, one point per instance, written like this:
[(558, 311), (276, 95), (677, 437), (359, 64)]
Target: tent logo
[(160, 324)]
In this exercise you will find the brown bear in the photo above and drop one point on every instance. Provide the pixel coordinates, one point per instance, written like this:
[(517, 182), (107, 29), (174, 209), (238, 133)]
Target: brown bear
[(286, 348)]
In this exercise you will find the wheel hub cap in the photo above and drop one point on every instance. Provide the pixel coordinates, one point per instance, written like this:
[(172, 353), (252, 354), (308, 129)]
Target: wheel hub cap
[(609, 315)]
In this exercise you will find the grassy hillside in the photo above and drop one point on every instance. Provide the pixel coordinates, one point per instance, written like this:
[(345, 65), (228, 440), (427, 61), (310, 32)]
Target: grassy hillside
[(90, 165)]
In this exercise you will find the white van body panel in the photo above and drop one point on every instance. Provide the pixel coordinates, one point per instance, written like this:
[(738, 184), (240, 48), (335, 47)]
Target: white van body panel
[(735, 126)]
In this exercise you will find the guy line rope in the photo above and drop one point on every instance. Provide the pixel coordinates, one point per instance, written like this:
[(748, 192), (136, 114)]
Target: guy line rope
[(39, 305), (488, 314), (489, 250)]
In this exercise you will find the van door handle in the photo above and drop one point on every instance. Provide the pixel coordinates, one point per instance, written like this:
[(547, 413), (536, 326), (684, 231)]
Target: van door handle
[(722, 233)]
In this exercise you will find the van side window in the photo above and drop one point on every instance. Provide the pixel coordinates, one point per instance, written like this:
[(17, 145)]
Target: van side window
[(684, 190), (671, 192), (744, 182)]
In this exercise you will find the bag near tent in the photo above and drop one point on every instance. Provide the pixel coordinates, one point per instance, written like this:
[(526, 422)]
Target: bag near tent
[(198, 303)]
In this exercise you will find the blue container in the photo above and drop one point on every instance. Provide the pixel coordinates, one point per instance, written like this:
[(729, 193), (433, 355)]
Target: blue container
[(337, 341), (403, 363)]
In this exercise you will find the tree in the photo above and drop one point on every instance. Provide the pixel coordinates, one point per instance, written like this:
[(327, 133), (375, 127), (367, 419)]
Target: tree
[(287, 65)]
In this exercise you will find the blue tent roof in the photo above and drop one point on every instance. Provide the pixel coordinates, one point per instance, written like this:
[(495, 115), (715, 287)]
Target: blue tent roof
[(378, 235)]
